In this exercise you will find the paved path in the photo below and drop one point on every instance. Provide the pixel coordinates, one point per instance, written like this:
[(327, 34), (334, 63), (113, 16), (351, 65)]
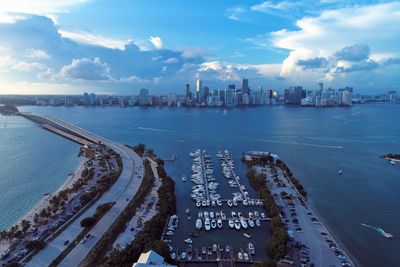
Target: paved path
[(121, 192)]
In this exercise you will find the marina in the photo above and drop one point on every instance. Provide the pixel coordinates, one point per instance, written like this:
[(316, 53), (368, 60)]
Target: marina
[(224, 222)]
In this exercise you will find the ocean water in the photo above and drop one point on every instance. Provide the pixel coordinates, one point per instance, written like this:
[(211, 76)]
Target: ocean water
[(315, 143)]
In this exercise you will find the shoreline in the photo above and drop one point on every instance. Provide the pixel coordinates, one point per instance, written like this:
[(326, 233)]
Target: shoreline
[(44, 201)]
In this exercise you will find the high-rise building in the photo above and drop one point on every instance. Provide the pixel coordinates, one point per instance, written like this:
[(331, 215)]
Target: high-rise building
[(293, 95), (245, 86), (229, 98), (144, 97), (92, 99), (187, 93), (86, 99), (171, 101), (199, 91), (68, 100), (346, 98), (206, 92)]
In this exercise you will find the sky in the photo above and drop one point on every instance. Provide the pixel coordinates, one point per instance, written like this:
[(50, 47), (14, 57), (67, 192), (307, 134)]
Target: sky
[(121, 46)]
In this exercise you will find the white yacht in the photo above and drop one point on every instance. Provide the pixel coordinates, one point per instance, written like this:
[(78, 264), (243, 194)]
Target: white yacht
[(251, 223), (219, 223), (231, 223), (240, 256), (213, 224), (251, 249), (207, 224), (237, 224), (199, 223)]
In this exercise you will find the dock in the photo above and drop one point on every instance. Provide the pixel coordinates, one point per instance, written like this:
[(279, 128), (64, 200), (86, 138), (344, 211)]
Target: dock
[(234, 175)]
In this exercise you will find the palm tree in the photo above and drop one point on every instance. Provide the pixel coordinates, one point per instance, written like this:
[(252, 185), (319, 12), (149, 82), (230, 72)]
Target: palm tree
[(25, 225)]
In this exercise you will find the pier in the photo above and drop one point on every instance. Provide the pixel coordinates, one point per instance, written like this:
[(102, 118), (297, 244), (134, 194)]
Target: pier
[(226, 160), (203, 171)]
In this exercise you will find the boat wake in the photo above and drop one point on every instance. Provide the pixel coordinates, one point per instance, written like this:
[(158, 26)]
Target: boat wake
[(298, 143), (379, 230)]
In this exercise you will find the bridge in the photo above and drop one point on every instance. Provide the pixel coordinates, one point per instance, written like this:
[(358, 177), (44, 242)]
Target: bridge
[(124, 188)]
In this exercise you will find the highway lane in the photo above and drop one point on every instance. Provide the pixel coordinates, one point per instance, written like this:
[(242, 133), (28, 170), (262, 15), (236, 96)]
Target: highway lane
[(124, 188)]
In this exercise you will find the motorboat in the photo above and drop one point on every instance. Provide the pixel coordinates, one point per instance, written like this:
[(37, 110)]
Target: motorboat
[(251, 223), (243, 223), (234, 202), (251, 249), (245, 202), (198, 204), (340, 172), (203, 250), (262, 214), (231, 223), (173, 255), (246, 256), (184, 178), (219, 223), (213, 224), (188, 241), (214, 248), (247, 235), (200, 214), (183, 255), (230, 203), (240, 256), (211, 215), (209, 251), (223, 215), (213, 203), (234, 216), (207, 224), (227, 248), (219, 202), (258, 222), (237, 224), (199, 223), (206, 215)]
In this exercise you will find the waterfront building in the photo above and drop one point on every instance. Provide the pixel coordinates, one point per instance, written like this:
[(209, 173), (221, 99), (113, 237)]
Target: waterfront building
[(151, 258), (171, 100), (222, 96), (92, 99), (229, 97), (144, 97), (187, 95), (199, 91), (293, 95), (121, 101), (245, 86), (346, 98), (68, 101), (86, 99)]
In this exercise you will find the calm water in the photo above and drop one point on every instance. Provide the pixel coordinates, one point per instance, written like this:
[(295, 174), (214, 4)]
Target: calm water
[(316, 143)]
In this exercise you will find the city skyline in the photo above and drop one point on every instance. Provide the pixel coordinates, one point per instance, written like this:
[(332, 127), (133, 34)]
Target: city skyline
[(68, 48)]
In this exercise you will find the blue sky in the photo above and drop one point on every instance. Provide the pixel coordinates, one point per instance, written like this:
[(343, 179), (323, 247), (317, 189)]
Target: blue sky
[(119, 47)]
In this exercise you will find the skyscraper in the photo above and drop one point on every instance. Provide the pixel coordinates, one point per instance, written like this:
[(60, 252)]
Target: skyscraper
[(86, 99), (245, 86), (144, 98), (199, 91), (187, 94), (346, 98), (92, 99), (293, 95)]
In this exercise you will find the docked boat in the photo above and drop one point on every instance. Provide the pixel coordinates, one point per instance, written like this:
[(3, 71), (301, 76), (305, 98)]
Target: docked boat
[(234, 202), (183, 255), (251, 223), (207, 224), (240, 256), (262, 214), (247, 235), (243, 223), (223, 215), (184, 178), (227, 248), (209, 251), (198, 204), (245, 202), (173, 255), (258, 222), (199, 223), (393, 162), (203, 250), (231, 223), (214, 248), (188, 241), (237, 224), (211, 215), (219, 202), (246, 256), (213, 224), (251, 249), (219, 223), (230, 203)]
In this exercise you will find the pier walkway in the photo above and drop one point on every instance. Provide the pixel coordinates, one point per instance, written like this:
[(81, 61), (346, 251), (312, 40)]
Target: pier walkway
[(226, 160)]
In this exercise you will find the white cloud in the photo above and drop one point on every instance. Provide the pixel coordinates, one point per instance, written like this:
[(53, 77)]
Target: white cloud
[(12, 11), (86, 69), (171, 60), (36, 53), (157, 42), (236, 13), (28, 66), (192, 52), (376, 25), (94, 39), (267, 6)]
